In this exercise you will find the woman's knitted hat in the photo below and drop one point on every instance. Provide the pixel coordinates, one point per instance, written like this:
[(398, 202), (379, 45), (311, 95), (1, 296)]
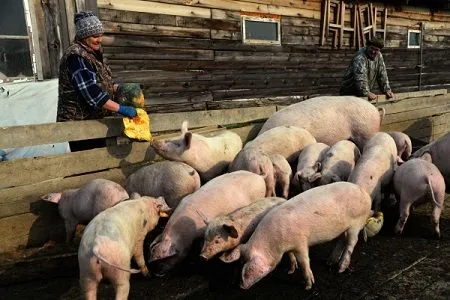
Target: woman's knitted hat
[(87, 24)]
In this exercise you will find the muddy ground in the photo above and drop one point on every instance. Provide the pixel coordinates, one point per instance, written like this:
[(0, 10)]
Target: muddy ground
[(413, 266)]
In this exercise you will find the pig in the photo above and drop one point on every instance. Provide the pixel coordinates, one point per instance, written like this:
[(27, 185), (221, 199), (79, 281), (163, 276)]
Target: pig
[(437, 153), (403, 143), (375, 169), (309, 163), (224, 233), (318, 215), (169, 179), (220, 196), (330, 119), (286, 141), (210, 156), (416, 182), (80, 206), (112, 238), (337, 163), (258, 162), (282, 173)]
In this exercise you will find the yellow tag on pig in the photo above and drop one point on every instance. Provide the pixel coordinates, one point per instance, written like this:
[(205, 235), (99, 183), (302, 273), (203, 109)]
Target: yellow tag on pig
[(138, 128)]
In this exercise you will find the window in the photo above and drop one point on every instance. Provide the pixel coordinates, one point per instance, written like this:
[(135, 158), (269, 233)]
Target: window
[(260, 30), (15, 54), (414, 37)]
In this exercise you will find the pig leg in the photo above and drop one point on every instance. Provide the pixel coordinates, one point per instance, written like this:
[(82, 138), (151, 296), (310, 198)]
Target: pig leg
[(71, 226), (293, 260), (284, 183), (377, 198), (338, 249), (439, 196), (302, 255), (139, 257), (90, 276), (405, 205), (121, 283), (352, 239), (89, 287)]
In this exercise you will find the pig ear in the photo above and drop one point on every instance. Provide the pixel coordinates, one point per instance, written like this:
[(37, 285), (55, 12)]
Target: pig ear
[(52, 197), (187, 140), (231, 230), (314, 177), (336, 178), (427, 156), (184, 127), (230, 256), (298, 175)]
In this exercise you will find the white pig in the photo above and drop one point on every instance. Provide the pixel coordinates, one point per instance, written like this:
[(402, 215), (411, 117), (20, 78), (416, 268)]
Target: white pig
[(330, 119), (403, 143), (309, 163), (210, 156), (337, 163), (80, 206), (170, 179), (318, 215), (112, 238)]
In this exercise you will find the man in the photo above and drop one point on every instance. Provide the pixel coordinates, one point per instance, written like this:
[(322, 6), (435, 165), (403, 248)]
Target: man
[(366, 68), (86, 88)]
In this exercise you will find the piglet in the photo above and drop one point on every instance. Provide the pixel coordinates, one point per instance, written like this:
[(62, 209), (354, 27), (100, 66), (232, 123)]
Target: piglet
[(80, 206), (210, 156), (226, 232), (416, 182), (318, 215), (169, 179), (337, 163), (403, 143), (112, 238), (220, 196), (309, 163)]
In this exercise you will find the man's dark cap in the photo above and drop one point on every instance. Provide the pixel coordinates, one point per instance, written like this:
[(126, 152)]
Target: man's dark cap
[(376, 42)]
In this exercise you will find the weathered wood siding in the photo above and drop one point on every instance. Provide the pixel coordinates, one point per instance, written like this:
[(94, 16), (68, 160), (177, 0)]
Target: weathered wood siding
[(189, 55), (26, 221)]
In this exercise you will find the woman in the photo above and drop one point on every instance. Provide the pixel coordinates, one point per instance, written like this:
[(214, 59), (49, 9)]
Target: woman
[(86, 88)]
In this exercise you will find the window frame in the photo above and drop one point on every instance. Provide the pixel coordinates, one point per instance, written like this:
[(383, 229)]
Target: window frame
[(420, 39), (277, 21)]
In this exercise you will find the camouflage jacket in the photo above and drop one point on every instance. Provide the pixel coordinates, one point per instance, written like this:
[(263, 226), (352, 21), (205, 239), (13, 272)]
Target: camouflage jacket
[(71, 105), (361, 75)]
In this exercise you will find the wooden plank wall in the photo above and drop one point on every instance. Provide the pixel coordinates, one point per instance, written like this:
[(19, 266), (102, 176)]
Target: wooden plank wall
[(25, 221), (189, 55)]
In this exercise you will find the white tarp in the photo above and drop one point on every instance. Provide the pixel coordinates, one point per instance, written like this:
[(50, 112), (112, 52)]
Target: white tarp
[(26, 103)]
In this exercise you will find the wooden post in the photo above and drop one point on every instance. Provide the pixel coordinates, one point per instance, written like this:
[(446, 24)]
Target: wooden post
[(40, 44), (87, 5), (70, 12)]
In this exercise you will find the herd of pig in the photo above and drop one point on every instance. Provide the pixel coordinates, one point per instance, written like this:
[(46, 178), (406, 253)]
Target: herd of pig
[(324, 157)]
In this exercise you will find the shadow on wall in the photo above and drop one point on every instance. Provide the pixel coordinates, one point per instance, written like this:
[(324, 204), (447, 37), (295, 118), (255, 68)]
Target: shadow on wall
[(420, 133), (49, 226)]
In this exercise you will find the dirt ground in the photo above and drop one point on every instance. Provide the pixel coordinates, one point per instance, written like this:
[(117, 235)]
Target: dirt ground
[(413, 266)]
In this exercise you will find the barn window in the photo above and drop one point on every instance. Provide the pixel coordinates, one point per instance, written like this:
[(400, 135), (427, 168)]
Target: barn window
[(414, 37), (260, 30)]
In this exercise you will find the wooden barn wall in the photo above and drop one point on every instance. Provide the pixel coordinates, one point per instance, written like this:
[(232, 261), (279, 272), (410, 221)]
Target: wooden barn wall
[(189, 55)]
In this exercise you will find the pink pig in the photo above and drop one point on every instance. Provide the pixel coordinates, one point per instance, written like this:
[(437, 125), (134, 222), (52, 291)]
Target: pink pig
[(80, 206), (403, 143), (318, 215), (416, 182), (210, 156), (309, 163), (112, 238), (375, 169), (220, 196)]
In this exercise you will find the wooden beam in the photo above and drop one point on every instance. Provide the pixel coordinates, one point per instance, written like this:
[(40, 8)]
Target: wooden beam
[(39, 39), (20, 136)]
